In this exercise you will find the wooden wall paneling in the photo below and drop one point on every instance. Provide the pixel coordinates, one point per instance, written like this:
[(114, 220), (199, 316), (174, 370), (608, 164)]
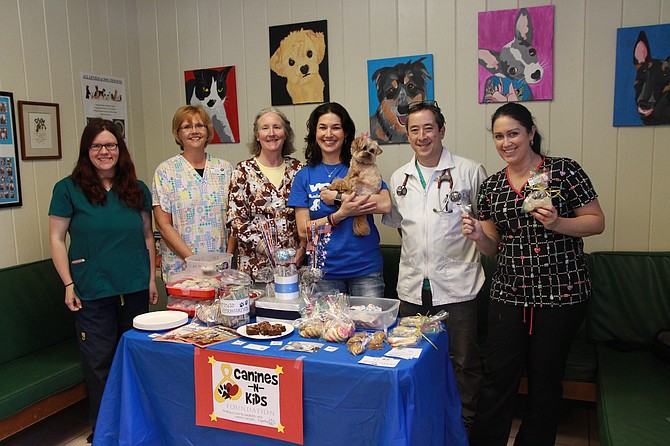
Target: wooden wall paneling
[(155, 118), (599, 136)]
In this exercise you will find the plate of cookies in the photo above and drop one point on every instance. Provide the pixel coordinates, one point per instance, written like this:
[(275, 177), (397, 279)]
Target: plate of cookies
[(265, 330)]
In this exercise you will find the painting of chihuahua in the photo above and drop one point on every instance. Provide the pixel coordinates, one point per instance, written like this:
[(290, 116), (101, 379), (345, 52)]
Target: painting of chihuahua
[(516, 65), (363, 177), (396, 87), (209, 89), (652, 84), (297, 59)]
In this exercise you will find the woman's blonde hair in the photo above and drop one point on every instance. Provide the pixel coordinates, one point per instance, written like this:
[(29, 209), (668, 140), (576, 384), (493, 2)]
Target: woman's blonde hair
[(188, 112)]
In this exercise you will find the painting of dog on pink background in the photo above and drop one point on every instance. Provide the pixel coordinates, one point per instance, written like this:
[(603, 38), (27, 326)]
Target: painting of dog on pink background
[(516, 55)]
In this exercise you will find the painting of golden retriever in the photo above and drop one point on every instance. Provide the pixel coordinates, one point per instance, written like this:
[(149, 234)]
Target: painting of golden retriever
[(299, 63)]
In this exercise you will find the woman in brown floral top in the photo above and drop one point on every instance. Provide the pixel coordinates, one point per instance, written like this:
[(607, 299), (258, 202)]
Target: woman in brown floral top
[(259, 188)]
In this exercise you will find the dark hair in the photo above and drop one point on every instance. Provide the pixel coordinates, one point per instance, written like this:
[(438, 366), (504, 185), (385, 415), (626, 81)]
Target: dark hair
[(520, 113), (415, 107), (85, 175), (313, 151), (287, 148)]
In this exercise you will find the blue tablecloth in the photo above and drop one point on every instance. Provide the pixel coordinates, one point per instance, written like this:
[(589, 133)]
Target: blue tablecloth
[(149, 397)]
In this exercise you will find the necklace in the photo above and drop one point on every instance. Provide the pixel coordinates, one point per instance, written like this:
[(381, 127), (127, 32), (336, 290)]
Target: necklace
[(330, 173)]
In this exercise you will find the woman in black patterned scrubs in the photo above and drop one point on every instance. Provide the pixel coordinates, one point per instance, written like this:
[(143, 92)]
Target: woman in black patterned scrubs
[(540, 287)]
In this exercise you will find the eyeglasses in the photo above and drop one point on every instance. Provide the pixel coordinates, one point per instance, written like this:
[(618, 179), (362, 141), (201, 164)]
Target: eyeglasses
[(189, 127), (422, 105), (109, 146)]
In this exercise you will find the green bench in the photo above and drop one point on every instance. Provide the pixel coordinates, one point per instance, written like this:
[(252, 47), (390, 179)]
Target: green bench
[(40, 371), (610, 361), (631, 302)]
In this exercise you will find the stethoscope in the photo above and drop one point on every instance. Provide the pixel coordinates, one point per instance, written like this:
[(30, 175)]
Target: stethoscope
[(445, 175)]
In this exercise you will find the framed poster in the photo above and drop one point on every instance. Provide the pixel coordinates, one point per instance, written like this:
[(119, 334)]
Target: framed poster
[(215, 90), (393, 84), (10, 181), (642, 85), (40, 130), (516, 55), (299, 63)]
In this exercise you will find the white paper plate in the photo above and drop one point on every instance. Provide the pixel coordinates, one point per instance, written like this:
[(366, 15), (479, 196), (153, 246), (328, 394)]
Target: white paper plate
[(160, 320), (242, 331)]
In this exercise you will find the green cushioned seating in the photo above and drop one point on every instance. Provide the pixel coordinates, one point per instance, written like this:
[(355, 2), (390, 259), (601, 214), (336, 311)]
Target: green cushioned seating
[(633, 398), (631, 302), (39, 355), (631, 297), (34, 377)]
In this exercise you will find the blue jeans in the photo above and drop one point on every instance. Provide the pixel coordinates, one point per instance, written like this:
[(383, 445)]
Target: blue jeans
[(370, 285)]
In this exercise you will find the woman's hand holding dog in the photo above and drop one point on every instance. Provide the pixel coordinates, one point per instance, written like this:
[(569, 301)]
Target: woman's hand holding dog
[(353, 205)]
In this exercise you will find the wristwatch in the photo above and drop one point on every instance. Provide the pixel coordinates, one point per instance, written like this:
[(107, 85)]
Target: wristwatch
[(338, 199)]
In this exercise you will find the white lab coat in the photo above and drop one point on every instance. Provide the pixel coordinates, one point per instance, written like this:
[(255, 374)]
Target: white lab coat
[(433, 245)]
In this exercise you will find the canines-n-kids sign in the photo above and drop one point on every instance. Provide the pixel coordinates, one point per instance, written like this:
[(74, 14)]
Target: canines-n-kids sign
[(393, 84), (256, 395), (642, 84), (299, 63), (215, 90)]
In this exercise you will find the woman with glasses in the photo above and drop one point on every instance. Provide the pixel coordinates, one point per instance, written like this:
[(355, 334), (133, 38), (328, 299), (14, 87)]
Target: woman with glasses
[(351, 264), (109, 269), (259, 190), (190, 194), (533, 215)]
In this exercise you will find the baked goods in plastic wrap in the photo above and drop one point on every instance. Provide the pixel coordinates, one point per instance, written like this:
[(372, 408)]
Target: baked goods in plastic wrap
[(411, 329), (539, 191), (377, 341), (359, 342), (338, 328), (426, 324), (186, 305), (404, 336), (310, 327)]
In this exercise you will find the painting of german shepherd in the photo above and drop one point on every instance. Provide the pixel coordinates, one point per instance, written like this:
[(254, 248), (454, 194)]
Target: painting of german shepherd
[(642, 85)]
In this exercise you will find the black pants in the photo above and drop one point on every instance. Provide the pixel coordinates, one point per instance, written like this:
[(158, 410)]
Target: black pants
[(510, 349), (100, 324), (463, 345)]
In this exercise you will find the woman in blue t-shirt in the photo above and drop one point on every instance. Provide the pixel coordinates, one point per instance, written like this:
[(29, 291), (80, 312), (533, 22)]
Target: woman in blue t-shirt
[(351, 264), (109, 269)]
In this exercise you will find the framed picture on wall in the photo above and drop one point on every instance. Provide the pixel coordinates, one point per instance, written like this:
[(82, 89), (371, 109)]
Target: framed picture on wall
[(642, 84), (215, 90), (40, 130), (299, 63), (393, 84), (10, 180), (516, 55)]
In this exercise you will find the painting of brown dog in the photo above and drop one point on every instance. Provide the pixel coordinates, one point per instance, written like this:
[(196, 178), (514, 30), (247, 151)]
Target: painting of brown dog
[(299, 63)]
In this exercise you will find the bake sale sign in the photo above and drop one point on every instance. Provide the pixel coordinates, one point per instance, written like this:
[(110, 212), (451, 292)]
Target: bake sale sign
[(252, 394)]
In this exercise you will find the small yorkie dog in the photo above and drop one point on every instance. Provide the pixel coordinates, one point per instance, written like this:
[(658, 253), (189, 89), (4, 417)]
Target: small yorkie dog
[(363, 178)]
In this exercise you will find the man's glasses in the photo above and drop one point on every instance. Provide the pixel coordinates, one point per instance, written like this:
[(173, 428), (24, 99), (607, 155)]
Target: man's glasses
[(109, 146), (422, 105), (189, 127)]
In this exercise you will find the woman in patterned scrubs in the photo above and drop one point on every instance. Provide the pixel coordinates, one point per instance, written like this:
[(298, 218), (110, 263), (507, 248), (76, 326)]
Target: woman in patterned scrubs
[(190, 194), (259, 190), (540, 287)]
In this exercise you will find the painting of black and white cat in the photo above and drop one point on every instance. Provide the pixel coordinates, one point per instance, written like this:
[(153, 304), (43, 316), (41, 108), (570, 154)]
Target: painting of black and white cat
[(209, 88)]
